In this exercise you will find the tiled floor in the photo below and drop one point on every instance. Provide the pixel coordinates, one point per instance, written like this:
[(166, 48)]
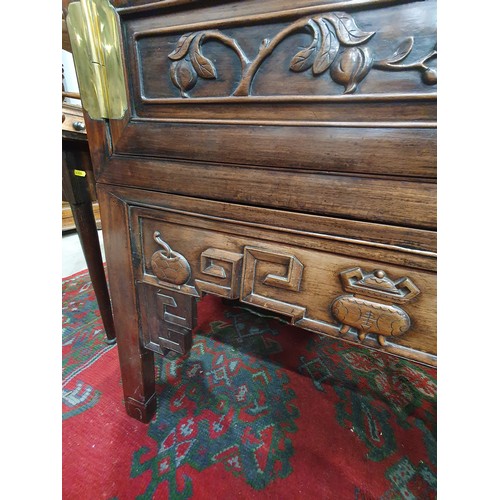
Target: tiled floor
[(72, 254)]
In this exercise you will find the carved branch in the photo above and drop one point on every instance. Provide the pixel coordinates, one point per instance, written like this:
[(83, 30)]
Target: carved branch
[(265, 50), (224, 39), (429, 75), (335, 45)]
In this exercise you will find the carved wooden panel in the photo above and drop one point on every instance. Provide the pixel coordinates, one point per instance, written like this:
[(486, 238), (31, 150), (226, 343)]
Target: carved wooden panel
[(328, 52), (344, 88), (337, 44), (329, 62), (223, 273), (317, 283)]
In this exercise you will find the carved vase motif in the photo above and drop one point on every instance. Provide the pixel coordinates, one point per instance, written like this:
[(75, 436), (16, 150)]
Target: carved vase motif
[(367, 316)]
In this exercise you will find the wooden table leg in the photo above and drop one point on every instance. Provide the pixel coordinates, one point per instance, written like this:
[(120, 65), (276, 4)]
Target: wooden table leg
[(86, 228), (76, 190)]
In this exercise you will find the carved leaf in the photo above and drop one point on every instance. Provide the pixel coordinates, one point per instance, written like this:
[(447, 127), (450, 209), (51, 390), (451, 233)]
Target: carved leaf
[(347, 30), (183, 75), (401, 52), (203, 66), (182, 47), (328, 50), (304, 59)]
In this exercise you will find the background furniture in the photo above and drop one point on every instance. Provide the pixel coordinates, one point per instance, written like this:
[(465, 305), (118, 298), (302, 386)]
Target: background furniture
[(73, 128), (78, 186), (278, 153)]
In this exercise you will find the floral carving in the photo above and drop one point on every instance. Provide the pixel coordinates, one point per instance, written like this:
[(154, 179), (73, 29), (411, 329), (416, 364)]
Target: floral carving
[(336, 45)]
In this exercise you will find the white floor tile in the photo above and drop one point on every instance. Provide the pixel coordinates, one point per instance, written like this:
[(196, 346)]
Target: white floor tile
[(73, 260)]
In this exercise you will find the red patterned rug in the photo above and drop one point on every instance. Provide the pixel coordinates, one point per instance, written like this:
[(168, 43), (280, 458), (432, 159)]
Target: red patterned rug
[(258, 410)]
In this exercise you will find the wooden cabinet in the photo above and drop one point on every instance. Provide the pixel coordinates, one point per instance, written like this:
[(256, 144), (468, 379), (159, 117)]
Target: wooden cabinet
[(279, 153)]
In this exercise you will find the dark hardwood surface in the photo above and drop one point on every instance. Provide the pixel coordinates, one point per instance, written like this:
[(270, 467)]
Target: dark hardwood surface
[(382, 200), (279, 153)]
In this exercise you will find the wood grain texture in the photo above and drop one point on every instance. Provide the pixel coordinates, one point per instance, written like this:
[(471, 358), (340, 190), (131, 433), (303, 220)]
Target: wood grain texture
[(339, 149), (402, 240), (403, 202), (353, 111)]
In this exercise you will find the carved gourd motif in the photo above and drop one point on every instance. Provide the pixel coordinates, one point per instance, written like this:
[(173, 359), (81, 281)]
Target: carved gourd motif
[(169, 266)]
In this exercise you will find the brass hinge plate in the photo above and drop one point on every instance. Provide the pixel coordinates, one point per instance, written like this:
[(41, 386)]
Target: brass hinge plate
[(95, 40)]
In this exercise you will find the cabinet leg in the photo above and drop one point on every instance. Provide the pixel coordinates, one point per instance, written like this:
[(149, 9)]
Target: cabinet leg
[(136, 362), (170, 329), (140, 399), (137, 372)]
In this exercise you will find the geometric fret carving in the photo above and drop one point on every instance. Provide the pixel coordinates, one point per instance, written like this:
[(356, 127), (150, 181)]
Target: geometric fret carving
[(290, 280), (224, 271), (261, 268), (167, 318), (177, 314), (252, 276)]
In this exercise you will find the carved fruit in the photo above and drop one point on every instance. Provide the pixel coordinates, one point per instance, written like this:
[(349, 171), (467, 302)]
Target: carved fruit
[(173, 269), (430, 76), (183, 75), (351, 67)]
